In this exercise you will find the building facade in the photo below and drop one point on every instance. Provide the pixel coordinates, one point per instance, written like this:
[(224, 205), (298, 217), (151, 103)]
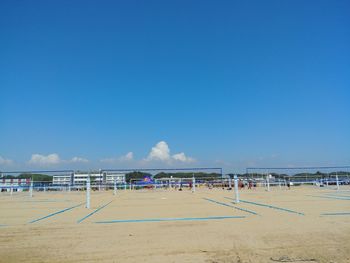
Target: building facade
[(80, 178)]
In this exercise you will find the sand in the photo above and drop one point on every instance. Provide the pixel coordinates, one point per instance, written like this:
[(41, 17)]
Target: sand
[(271, 236)]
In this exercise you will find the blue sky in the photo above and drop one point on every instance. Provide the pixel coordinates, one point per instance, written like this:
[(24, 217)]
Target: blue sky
[(94, 84)]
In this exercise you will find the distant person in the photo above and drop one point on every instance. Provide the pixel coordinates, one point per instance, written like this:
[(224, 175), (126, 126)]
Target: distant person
[(250, 185), (240, 184), (288, 184)]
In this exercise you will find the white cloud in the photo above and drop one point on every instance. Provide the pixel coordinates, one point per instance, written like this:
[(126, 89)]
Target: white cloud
[(4, 161), (79, 160), (183, 158), (127, 157), (53, 159), (109, 160), (42, 160), (161, 152)]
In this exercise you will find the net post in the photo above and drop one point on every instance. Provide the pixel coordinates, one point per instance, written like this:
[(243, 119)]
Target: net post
[(268, 182), (337, 180), (31, 188), (236, 188), (88, 192), (193, 184), (115, 187), (230, 183)]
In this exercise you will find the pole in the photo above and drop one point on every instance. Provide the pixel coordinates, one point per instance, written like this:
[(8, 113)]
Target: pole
[(88, 192), (193, 184), (236, 188), (230, 183), (336, 178), (31, 189), (268, 182), (115, 187)]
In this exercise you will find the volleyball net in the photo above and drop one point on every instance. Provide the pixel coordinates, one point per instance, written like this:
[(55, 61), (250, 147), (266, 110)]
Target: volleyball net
[(167, 178), (322, 176), (29, 181)]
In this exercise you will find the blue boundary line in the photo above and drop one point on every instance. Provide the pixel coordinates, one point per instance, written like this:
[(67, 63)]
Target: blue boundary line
[(235, 207), (336, 214), (330, 197), (345, 197), (270, 206), (338, 195), (98, 209), (56, 213), (2, 225), (168, 219)]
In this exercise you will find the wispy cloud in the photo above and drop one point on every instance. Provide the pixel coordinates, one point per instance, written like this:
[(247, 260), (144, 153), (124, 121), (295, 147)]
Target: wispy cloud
[(43, 160), (79, 160), (53, 159), (4, 161), (115, 160), (127, 157), (183, 158)]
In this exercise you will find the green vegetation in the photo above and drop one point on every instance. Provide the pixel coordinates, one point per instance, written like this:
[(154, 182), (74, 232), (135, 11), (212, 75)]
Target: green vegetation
[(136, 176)]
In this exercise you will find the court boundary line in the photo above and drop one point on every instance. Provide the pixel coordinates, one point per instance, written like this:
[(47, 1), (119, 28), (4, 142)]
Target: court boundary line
[(330, 197), (336, 214), (93, 212), (270, 206), (168, 219), (235, 207), (55, 213)]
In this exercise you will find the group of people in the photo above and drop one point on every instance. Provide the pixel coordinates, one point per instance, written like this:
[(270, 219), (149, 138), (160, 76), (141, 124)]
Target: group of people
[(250, 184)]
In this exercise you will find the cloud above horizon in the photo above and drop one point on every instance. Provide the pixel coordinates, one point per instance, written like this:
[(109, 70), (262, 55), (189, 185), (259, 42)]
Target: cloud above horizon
[(53, 159), (4, 161), (158, 153), (161, 152), (125, 158), (79, 160)]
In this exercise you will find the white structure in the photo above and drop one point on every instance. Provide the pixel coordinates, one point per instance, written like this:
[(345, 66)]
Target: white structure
[(13, 184), (236, 189), (119, 178), (63, 179), (81, 178)]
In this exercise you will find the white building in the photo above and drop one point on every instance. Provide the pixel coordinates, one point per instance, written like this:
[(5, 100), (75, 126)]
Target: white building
[(119, 177), (64, 179), (15, 183), (79, 178)]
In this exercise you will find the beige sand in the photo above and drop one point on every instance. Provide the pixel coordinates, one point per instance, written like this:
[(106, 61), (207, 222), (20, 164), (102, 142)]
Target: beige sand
[(273, 236)]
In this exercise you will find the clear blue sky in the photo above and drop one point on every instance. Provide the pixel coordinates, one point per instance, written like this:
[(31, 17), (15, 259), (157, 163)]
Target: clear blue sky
[(229, 83)]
